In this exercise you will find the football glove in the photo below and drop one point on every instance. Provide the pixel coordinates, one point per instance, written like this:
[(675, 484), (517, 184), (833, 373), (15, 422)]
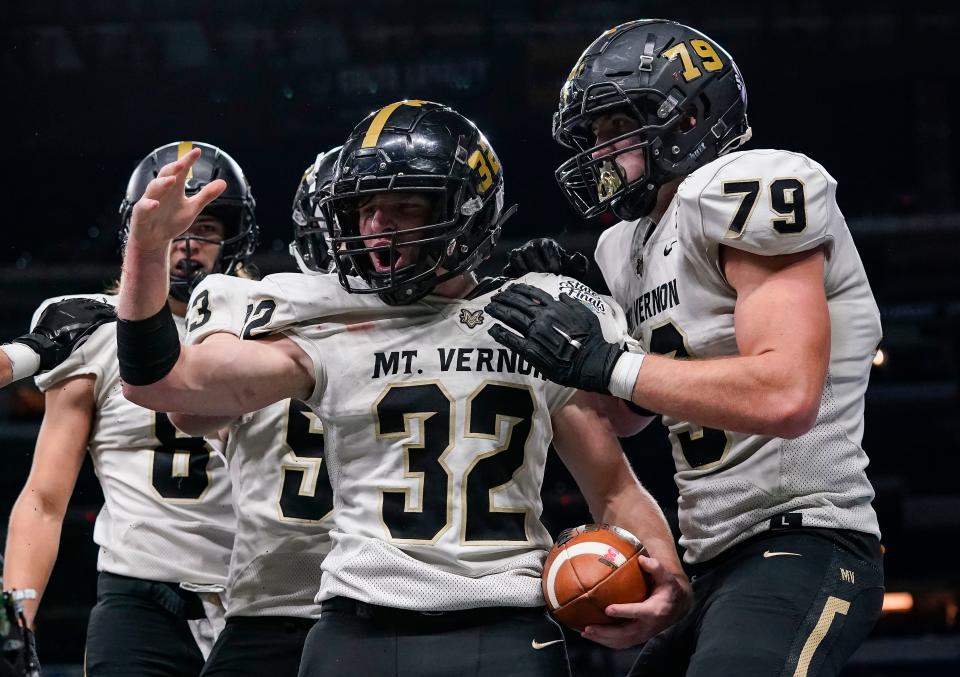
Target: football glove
[(545, 255), (63, 326), (19, 652), (561, 338)]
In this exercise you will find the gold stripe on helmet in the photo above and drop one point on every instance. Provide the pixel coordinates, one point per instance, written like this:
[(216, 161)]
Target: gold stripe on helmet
[(183, 148), (373, 132)]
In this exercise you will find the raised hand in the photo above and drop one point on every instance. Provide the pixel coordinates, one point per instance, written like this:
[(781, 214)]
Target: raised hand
[(165, 212)]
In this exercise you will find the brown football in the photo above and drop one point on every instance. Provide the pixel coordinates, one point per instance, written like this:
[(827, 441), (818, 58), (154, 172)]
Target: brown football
[(589, 568)]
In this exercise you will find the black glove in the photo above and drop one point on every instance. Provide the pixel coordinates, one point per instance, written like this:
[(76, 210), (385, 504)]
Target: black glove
[(19, 655), (545, 255), (30, 650), (63, 326), (562, 339)]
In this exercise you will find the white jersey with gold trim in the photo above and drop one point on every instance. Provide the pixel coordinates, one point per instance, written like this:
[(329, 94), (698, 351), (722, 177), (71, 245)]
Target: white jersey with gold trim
[(668, 279), (437, 438), (279, 477), (167, 514)]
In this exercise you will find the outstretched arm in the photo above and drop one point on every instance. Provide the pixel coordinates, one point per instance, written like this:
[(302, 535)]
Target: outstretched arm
[(590, 450), (773, 387), (229, 377), (33, 538)]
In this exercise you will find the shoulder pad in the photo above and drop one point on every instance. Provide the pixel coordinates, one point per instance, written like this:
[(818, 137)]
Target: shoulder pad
[(286, 300), (612, 319), (99, 296), (766, 202), (218, 304)]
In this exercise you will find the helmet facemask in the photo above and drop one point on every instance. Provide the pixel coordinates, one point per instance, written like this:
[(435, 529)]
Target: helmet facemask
[(421, 147), (434, 244), (235, 247), (593, 180)]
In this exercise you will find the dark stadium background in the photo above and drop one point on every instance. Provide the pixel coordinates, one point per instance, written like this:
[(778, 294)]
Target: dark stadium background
[(865, 88)]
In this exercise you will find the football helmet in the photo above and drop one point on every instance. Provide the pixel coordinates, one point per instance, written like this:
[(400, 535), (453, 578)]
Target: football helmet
[(234, 207), (310, 247), (427, 148), (684, 90)]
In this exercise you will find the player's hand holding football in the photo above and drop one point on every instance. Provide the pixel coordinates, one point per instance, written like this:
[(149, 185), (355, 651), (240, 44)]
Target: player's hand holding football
[(669, 599), (562, 338), (165, 211)]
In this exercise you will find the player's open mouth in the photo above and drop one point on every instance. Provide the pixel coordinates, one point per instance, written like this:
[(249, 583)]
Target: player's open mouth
[(381, 258), (185, 268)]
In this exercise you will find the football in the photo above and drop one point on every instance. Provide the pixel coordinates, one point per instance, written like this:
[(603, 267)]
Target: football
[(589, 568)]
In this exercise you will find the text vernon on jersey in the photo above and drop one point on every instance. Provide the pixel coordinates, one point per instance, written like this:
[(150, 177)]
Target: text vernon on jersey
[(499, 360), (653, 302)]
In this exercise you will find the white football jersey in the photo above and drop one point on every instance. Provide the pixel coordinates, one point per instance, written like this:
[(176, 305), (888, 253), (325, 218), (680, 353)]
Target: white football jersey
[(280, 486), (167, 514), (436, 438), (668, 279)]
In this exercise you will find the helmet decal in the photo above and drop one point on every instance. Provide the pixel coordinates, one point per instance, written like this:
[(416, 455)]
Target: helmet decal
[(380, 120)]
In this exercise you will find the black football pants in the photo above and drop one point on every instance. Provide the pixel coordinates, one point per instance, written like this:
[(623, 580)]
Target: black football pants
[(352, 638), (139, 628), (792, 603), (258, 646)]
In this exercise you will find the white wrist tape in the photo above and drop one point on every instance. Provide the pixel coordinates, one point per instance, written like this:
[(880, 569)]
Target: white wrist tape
[(24, 361), (624, 375)]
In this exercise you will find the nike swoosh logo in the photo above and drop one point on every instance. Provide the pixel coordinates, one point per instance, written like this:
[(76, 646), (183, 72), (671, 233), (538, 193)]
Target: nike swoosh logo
[(669, 248), (543, 645), (769, 553)]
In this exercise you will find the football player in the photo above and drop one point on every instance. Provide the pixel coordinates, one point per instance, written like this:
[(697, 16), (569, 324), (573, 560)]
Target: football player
[(435, 439), (166, 528), (281, 491), (742, 284)]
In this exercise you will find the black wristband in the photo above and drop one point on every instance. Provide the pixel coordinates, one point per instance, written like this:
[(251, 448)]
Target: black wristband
[(147, 349)]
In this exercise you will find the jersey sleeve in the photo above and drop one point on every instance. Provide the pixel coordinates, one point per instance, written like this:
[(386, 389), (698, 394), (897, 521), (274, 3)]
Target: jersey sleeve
[(314, 350), (218, 304), (88, 359), (286, 300), (765, 202)]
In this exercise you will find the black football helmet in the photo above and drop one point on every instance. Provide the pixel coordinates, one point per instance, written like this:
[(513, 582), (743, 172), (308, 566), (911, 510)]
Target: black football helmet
[(310, 247), (683, 89), (234, 207), (427, 148)]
